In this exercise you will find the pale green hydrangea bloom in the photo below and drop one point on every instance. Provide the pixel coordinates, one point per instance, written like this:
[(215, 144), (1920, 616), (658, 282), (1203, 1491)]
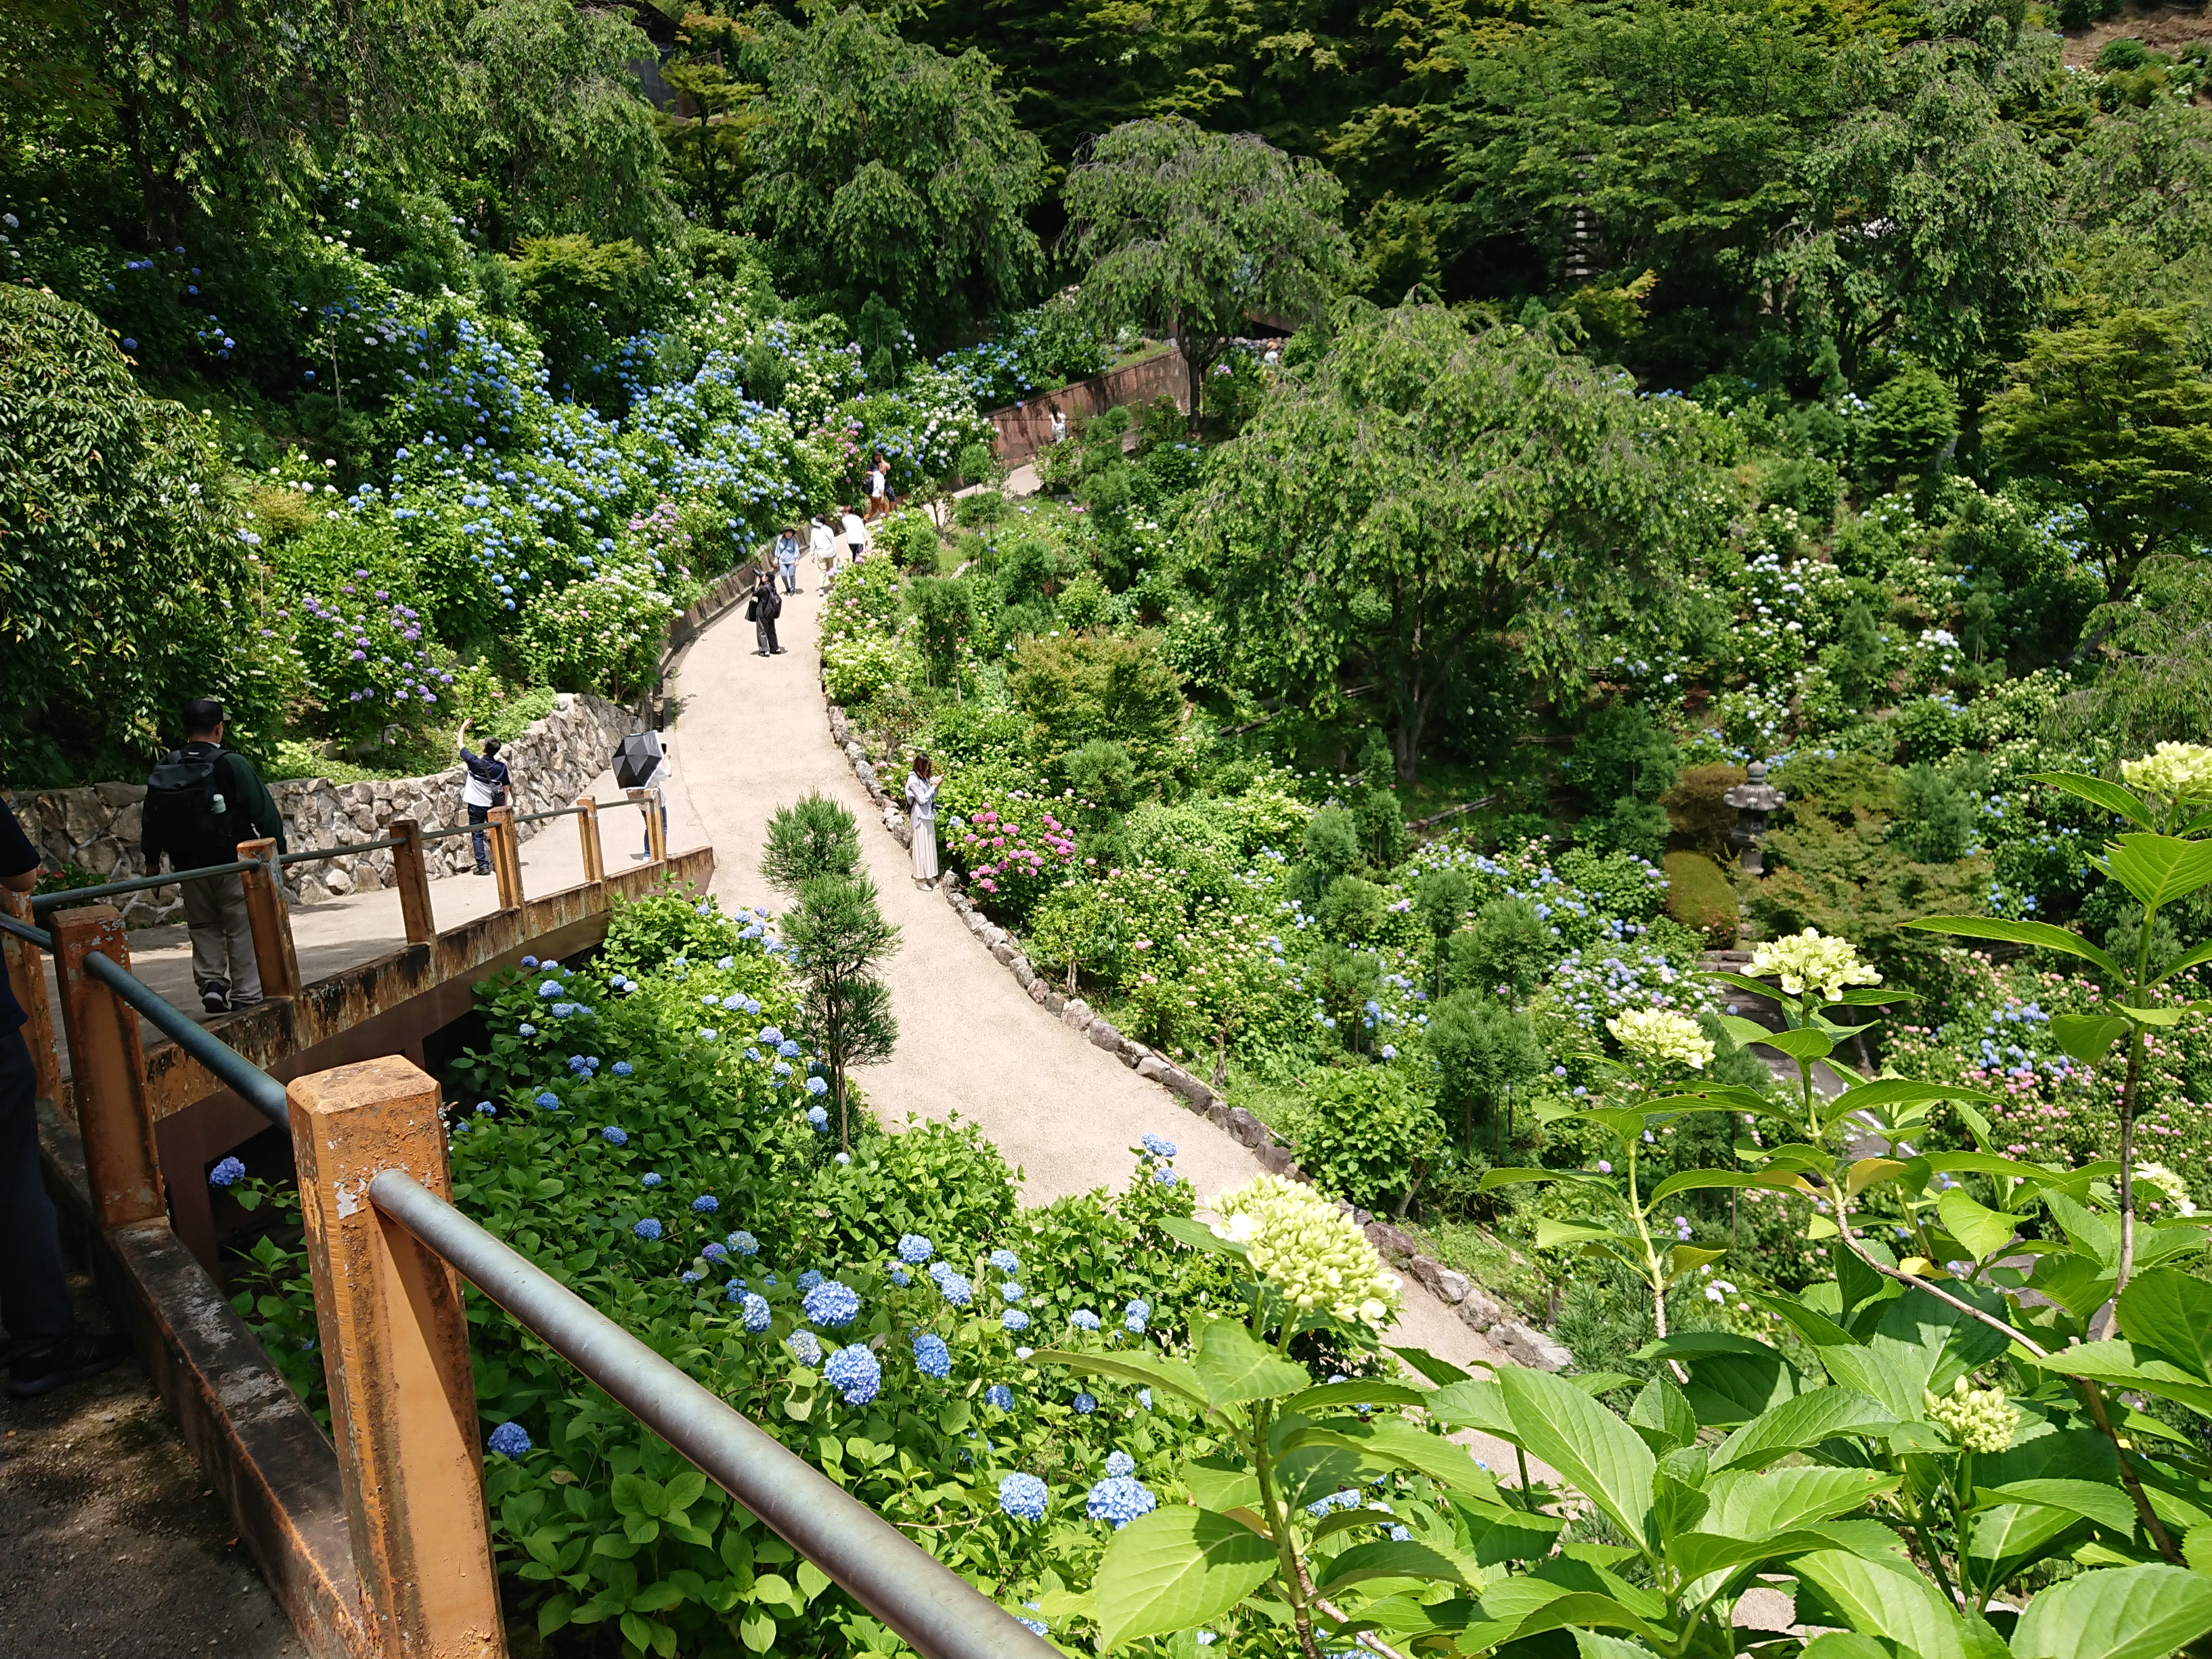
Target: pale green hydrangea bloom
[(1978, 1419), (2170, 1187), (2174, 772), (1813, 961), (1301, 1244), (1661, 1037)]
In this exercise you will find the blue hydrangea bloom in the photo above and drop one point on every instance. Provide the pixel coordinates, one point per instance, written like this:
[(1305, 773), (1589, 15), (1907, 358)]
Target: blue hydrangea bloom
[(1010, 1291), (900, 1276), (932, 1356), (1014, 1319), (687, 1277), (744, 1244), (1000, 1395), (816, 1085), (713, 1251), (485, 1109), (733, 1003), (707, 1204), (787, 1049), (1006, 1261), (1118, 1500), (651, 1178), (914, 1248), (1159, 1147), (708, 1034), (551, 987), (1164, 1177), (615, 1136), (1037, 1625), (855, 1373), (1399, 1534), (1086, 1404), (527, 1029), (622, 1068), (781, 1068), (1135, 1315), (819, 1117), (1144, 1398), (530, 962), (940, 1271), (1021, 1496), (225, 1173), (508, 1440), (754, 1310), (771, 1035), (647, 1229), (810, 1278), (805, 1347), (548, 1099), (725, 963), (1346, 1499), (831, 1305), (1120, 1462), (1084, 1320), (957, 1290)]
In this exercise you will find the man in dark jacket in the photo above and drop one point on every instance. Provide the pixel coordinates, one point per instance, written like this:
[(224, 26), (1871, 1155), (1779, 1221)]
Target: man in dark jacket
[(201, 802), (482, 789), (44, 1348)]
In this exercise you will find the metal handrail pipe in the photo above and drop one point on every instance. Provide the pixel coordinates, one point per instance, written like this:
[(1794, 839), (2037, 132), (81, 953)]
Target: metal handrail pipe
[(452, 829), (255, 1086), (932, 1607), (72, 896), (539, 817), (339, 851), (23, 930)]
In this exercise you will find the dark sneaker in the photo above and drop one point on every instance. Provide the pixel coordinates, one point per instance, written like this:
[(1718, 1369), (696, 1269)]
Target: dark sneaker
[(215, 997), (41, 1369)]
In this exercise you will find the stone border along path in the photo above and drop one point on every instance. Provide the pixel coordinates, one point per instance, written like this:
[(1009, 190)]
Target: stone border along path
[(1063, 1110)]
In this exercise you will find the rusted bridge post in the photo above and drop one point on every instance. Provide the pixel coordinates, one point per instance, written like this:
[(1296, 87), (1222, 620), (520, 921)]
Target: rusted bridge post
[(396, 1351), (412, 871), (27, 977), (588, 832), (506, 858), (109, 1065), (274, 953)]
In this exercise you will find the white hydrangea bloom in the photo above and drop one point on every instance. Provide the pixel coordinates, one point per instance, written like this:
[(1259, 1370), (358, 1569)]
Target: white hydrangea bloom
[(1978, 1419), (1813, 961), (1661, 1037), (2170, 1187), (1307, 1249), (2174, 772)]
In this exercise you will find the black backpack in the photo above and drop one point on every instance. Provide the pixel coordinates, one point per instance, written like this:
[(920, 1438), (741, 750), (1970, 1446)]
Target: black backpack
[(190, 808)]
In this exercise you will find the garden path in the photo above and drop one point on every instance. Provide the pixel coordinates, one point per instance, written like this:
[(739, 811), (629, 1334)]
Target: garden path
[(753, 736)]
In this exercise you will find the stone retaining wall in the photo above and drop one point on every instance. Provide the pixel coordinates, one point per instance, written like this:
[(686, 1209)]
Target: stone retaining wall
[(555, 760), (1026, 428), (1524, 1344)]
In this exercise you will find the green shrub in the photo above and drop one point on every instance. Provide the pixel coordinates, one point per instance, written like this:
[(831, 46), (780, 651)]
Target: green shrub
[(944, 624), (1509, 948), (1353, 910), (910, 539), (1080, 687), (1701, 819), (858, 668), (812, 837), (1699, 897), (1366, 1133), (1484, 1049)]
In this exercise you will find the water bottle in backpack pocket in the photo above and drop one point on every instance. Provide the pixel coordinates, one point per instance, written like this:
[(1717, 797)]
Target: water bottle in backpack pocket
[(186, 811)]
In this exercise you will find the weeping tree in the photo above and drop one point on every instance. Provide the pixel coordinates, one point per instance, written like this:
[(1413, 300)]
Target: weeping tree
[(839, 940)]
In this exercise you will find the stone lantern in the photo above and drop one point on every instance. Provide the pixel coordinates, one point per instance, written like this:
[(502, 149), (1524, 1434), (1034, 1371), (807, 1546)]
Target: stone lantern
[(1752, 801)]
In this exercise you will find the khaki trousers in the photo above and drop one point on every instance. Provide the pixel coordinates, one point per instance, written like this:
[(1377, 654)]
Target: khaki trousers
[(223, 937)]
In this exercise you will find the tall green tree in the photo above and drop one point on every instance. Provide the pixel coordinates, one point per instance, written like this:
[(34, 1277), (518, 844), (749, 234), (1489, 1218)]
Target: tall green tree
[(839, 941), (1205, 234), (562, 124), (1422, 492), (2114, 415), (885, 169)]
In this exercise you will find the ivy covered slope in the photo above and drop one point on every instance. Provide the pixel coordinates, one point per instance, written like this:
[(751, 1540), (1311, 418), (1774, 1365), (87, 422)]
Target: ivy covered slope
[(1147, 1433)]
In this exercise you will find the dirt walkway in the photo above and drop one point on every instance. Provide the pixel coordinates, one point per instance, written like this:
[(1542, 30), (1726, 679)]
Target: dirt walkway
[(752, 735)]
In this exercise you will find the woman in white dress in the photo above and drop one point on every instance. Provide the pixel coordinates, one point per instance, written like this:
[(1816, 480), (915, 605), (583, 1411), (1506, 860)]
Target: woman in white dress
[(822, 542), (921, 815)]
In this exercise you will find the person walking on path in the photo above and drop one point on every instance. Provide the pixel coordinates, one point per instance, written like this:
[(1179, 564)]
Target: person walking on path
[(822, 541), (880, 487), (201, 802), (485, 787), (43, 1349), (787, 557), (767, 605), (856, 533), (922, 816)]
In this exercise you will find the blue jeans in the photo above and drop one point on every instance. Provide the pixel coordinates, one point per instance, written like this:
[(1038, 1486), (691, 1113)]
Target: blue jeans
[(790, 570), (478, 816)]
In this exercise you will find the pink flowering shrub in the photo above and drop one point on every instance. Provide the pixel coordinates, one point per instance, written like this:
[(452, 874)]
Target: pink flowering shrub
[(1014, 848)]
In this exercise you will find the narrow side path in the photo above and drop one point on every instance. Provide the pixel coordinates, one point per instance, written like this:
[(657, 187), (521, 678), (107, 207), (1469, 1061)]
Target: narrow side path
[(752, 735)]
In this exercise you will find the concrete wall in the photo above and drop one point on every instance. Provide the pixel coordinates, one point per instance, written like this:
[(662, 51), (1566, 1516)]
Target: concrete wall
[(1027, 427), (553, 761)]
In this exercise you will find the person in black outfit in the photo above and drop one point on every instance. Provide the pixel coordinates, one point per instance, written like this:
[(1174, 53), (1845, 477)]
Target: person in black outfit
[(44, 1349), (201, 802), (766, 606), (484, 789)]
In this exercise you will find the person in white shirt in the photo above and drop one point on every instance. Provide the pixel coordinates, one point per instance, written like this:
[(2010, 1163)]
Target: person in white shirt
[(856, 532), (822, 542)]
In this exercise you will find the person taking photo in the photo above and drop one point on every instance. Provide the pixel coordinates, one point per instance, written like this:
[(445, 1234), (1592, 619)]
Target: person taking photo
[(483, 787)]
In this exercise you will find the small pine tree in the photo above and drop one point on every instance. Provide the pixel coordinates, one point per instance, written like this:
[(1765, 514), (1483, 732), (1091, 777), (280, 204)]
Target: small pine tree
[(812, 837), (839, 939)]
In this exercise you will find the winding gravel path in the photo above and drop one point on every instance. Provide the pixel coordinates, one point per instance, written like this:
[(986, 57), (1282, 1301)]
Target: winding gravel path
[(751, 736)]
